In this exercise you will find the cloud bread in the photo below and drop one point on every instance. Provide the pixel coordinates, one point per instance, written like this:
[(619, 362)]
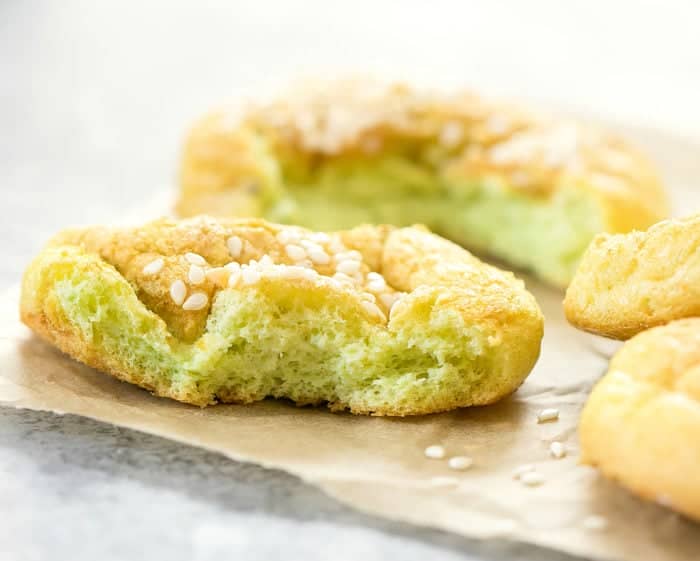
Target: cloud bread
[(641, 424), (375, 320), (628, 283), (525, 187)]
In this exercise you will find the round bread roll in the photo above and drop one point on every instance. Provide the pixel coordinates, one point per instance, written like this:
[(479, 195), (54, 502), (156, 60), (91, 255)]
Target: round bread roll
[(641, 424), (629, 283), (375, 320), (527, 188)]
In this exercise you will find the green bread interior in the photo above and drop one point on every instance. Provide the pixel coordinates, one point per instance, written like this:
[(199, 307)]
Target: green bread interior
[(306, 345), (543, 234)]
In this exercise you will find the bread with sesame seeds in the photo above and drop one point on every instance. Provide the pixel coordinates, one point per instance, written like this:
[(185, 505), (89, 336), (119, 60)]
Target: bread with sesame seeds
[(641, 424), (629, 283), (375, 320), (527, 188)]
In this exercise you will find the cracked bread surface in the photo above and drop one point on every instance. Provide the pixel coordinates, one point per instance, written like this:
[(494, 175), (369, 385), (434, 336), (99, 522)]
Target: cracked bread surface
[(628, 283)]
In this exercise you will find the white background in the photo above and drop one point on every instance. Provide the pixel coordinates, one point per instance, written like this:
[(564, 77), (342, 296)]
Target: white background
[(96, 96)]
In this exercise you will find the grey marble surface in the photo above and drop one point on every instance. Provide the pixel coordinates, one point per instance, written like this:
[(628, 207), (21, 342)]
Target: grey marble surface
[(94, 98), (72, 488)]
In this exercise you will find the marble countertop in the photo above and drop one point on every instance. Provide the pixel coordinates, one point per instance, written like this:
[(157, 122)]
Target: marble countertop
[(95, 99)]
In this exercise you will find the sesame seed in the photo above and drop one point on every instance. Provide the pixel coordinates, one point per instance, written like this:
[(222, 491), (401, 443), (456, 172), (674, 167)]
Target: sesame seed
[(250, 275), (178, 291), (233, 267), (233, 279), (522, 470), (368, 297), (337, 246), (287, 236), (595, 522), (460, 463), (195, 259), (557, 450), (154, 267), (516, 150), (451, 134), (343, 278), (235, 246), (295, 252), (348, 267), (196, 301), (319, 256), (373, 309), (352, 255), (308, 245), (306, 273), (266, 261), (388, 299), (296, 272), (376, 285), (547, 415), (532, 479), (311, 274), (320, 237), (196, 274), (218, 275), (394, 306), (497, 125), (435, 452)]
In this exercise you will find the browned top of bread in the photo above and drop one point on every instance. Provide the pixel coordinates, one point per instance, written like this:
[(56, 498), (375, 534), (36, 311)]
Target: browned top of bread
[(534, 151)]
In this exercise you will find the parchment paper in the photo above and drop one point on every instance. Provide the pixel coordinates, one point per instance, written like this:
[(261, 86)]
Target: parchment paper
[(377, 464)]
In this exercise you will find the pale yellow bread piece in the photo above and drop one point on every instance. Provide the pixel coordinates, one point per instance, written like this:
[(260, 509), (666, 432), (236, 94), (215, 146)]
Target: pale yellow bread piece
[(641, 424), (628, 283), (526, 187), (376, 320)]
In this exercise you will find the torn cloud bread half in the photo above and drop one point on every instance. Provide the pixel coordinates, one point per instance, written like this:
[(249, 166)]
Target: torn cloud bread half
[(376, 320), (523, 187)]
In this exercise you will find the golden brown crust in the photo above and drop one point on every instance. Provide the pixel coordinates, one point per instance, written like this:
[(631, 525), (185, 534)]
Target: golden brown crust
[(131, 250), (626, 284), (641, 425), (381, 273), (531, 153)]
